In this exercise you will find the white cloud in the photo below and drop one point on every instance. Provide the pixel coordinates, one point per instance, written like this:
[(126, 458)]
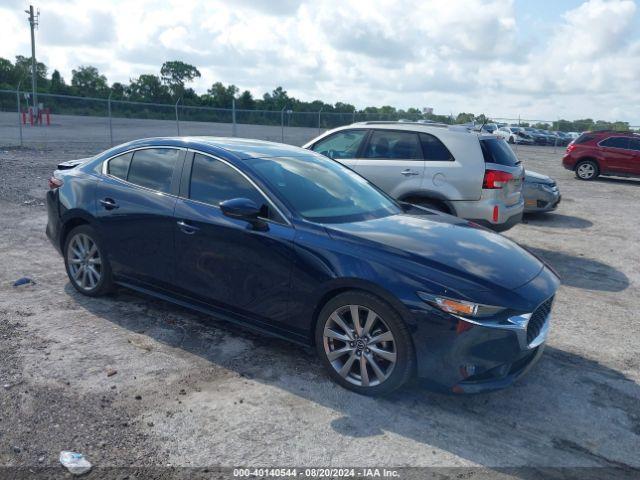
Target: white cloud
[(465, 55)]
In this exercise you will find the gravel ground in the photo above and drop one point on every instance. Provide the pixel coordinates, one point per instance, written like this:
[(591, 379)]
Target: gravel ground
[(192, 391)]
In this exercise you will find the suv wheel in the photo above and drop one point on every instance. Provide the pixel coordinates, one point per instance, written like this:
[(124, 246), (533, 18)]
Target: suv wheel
[(86, 263), (587, 170), (364, 344)]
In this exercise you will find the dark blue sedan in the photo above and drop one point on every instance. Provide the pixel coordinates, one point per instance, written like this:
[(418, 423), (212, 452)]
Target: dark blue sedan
[(293, 244)]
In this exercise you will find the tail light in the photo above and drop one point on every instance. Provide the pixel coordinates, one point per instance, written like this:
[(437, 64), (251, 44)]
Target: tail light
[(54, 183), (571, 148), (495, 179)]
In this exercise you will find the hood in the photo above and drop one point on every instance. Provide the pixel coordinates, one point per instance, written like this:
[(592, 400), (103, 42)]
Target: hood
[(473, 255), (535, 177)]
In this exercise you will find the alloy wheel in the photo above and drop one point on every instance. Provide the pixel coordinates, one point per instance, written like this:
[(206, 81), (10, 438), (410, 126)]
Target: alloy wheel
[(586, 171), (359, 345), (85, 263)]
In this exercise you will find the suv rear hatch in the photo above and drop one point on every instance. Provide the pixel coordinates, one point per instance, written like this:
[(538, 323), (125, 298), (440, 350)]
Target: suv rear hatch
[(503, 170)]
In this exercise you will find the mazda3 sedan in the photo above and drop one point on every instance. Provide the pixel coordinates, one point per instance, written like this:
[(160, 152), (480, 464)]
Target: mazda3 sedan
[(291, 243)]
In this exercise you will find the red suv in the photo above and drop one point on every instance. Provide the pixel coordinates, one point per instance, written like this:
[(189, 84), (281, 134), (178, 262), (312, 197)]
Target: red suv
[(604, 153)]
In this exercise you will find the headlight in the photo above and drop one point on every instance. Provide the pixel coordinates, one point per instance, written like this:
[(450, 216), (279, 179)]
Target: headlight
[(460, 308)]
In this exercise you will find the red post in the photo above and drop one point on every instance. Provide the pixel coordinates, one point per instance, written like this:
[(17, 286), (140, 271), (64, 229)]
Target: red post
[(48, 112), (31, 116), (24, 117), (39, 117)]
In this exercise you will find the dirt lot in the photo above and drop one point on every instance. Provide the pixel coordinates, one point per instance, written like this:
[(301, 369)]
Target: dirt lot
[(192, 391)]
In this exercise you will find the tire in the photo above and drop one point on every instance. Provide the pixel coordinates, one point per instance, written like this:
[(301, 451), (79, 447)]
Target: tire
[(87, 265), (511, 140), (587, 170), (388, 362)]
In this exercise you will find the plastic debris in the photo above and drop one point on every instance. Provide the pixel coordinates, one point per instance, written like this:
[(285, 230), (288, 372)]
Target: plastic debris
[(75, 462), (23, 281), (111, 372)]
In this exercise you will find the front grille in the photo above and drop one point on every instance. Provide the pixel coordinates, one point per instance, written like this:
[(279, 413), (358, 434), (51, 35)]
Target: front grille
[(538, 317)]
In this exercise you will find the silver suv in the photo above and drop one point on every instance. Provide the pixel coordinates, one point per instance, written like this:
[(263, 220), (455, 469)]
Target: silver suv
[(468, 174)]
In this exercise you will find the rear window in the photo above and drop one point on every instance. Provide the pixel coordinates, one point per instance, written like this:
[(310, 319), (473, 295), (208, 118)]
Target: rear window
[(498, 151), (434, 150), (119, 166), (584, 138)]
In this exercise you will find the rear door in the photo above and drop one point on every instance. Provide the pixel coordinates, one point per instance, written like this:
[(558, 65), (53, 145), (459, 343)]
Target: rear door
[(343, 146), (617, 154), (393, 160), (136, 197)]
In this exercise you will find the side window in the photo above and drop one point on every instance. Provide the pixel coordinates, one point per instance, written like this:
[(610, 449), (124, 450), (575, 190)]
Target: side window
[(635, 144), (153, 168), (341, 145), (213, 181), (119, 166), (389, 144), (434, 150), (615, 142)]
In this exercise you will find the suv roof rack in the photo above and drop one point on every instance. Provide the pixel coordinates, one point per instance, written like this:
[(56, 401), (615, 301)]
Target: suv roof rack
[(396, 122)]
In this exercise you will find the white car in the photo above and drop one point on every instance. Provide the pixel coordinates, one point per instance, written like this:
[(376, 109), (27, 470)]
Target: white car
[(514, 135)]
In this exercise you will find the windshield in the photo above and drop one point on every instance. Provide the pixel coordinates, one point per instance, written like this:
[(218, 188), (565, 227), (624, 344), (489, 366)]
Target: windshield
[(322, 190)]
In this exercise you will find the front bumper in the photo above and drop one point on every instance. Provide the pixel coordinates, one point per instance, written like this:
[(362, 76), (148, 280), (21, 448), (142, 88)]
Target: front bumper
[(483, 356), (544, 198)]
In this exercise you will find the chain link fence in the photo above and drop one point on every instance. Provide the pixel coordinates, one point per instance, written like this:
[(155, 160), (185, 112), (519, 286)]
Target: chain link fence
[(99, 122)]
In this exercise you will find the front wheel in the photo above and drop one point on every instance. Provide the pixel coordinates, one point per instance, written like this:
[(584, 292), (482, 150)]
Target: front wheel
[(86, 263), (587, 170), (364, 344)]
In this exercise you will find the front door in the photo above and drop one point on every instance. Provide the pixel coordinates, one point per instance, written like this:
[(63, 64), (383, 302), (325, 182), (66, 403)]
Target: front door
[(224, 261)]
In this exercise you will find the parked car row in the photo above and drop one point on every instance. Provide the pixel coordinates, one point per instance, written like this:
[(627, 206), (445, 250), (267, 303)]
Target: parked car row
[(288, 242), (532, 136)]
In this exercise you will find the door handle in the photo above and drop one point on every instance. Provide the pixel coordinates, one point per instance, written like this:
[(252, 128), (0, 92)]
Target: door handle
[(109, 203), (187, 228), (408, 172)]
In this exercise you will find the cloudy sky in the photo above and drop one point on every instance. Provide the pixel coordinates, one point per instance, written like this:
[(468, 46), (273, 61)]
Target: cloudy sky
[(539, 59)]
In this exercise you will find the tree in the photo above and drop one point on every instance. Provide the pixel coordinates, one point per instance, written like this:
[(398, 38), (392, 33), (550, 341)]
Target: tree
[(465, 117), (7, 73), (23, 71), (88, 81), (57, 84), (149, 88), (175, 73), (245, 101), (220, 96)]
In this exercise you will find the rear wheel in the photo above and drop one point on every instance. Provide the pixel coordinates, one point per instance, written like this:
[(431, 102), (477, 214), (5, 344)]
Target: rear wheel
[(364, 344), (87, 266), (587, 170)]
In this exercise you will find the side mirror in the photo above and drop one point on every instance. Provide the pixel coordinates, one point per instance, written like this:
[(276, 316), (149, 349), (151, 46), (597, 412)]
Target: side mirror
[(243, 209)]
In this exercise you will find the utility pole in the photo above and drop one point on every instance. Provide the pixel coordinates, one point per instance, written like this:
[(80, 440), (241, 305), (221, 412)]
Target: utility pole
[(33, 22)]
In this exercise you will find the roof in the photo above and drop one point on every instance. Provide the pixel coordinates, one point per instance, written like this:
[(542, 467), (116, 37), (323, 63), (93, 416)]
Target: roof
[(238, 147)]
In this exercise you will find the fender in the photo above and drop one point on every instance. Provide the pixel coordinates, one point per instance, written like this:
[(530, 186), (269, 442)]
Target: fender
[(429, 195)]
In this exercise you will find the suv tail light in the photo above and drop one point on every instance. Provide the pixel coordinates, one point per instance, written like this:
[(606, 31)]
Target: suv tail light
[(54, 183), (495, 179), (571, 147)]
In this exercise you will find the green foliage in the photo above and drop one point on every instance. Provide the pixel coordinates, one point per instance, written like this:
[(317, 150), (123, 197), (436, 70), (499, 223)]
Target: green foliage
[(174, 75), (89, 82)]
